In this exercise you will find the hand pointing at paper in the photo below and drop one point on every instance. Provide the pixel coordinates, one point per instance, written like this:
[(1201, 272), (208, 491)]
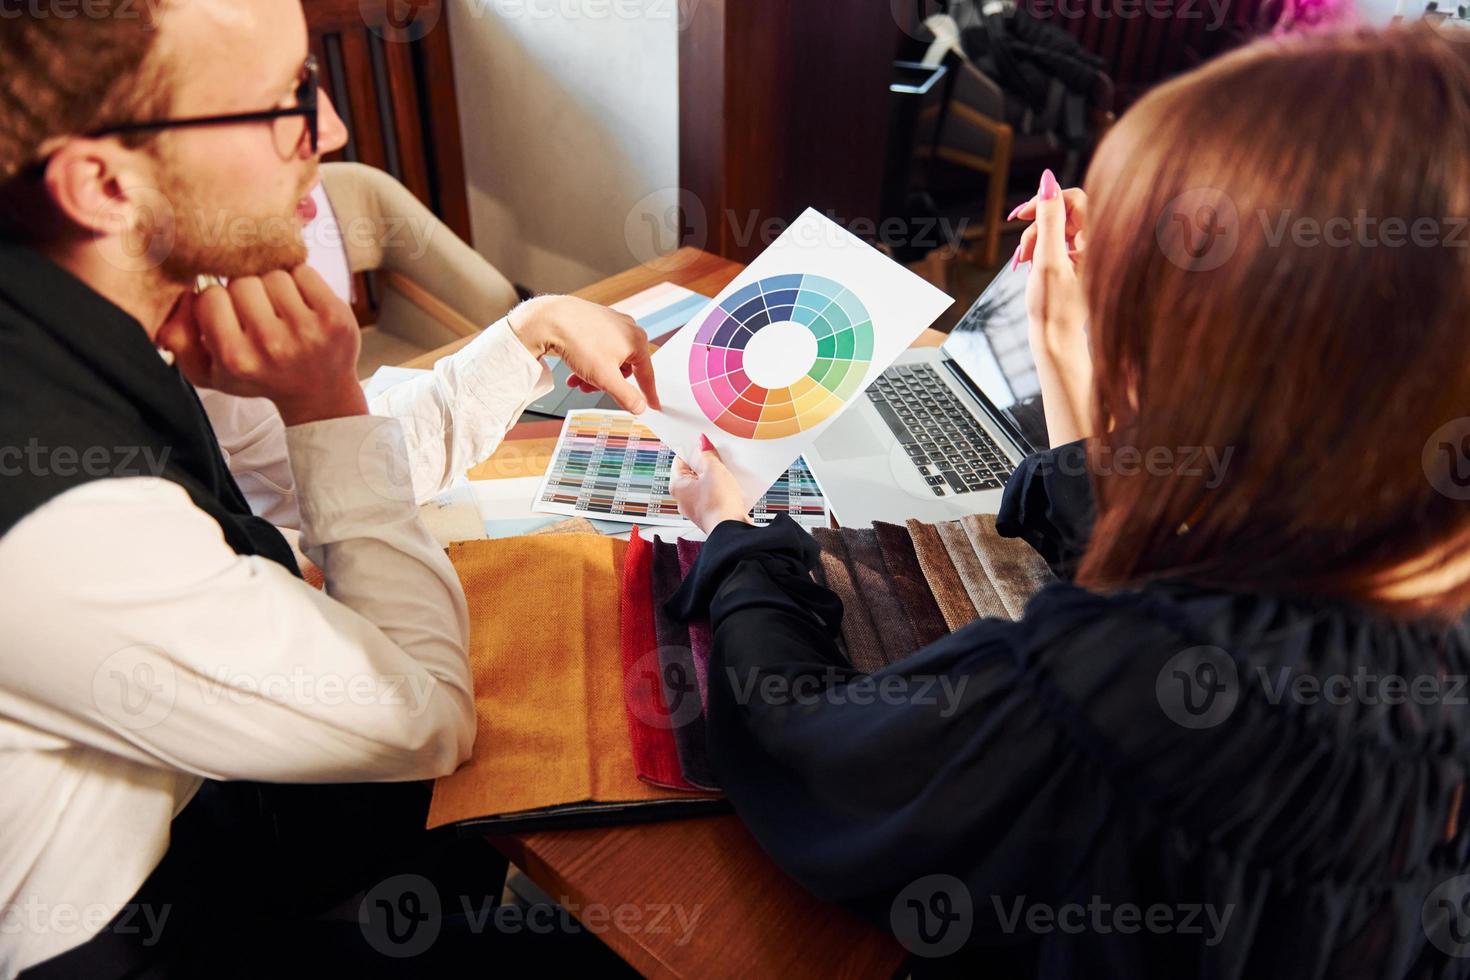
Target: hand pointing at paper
[(601, 346)]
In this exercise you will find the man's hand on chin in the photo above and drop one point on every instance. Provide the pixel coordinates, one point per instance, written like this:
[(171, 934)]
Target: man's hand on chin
[(284, 336)]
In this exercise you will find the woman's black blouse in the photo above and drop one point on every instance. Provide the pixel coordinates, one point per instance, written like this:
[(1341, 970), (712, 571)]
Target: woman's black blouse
[(1168, 782)]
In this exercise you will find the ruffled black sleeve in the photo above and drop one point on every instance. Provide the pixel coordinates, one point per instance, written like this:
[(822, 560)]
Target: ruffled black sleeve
[(1048, 504)]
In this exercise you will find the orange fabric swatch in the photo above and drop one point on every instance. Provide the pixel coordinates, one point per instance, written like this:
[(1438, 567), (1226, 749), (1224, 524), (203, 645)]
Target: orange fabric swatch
[(544, 648)]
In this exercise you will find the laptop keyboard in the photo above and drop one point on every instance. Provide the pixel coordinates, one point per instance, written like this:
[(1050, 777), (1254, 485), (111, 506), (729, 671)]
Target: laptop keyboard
[(943, 440)]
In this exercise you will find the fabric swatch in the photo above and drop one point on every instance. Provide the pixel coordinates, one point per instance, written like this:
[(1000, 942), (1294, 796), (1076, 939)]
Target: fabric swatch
[(551, 729), (939, 572), (676, 666), (1015, 569), (572, 525), (655, 758), (864, 649), (870, 573), (701, 639), (972, 574), (909, 583)]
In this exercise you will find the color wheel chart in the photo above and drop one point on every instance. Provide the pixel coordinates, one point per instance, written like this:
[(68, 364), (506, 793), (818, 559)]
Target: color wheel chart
[(609, 466), (781, 355)]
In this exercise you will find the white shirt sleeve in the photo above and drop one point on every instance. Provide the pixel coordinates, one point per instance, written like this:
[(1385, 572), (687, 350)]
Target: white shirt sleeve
[(145, 635), (453, 418)]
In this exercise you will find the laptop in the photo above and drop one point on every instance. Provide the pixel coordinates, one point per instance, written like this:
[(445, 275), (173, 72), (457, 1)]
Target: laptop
[(939, 433)]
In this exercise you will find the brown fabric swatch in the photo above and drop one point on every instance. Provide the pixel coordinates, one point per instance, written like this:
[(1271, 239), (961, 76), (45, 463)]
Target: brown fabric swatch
[(550, 721), (1014, 567), (944, 582), (909, 583), (870, 572), (972, 574), (864, 649)]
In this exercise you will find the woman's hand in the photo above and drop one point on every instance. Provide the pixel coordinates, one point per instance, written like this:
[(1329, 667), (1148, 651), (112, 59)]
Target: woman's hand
[(1057, 307), (707, 492), (601, 346)]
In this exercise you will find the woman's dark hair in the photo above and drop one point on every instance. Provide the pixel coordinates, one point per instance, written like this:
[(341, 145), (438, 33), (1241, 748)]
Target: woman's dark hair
[(1278, 268)]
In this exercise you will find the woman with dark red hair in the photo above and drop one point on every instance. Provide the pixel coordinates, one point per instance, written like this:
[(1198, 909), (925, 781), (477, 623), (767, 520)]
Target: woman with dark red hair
[(1233, 742)]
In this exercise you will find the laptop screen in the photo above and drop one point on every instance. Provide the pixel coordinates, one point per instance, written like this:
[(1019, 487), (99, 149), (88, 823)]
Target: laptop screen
[(991, 344)]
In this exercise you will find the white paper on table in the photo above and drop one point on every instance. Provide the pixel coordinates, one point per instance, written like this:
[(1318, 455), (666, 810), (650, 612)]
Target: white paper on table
[(899, 304)]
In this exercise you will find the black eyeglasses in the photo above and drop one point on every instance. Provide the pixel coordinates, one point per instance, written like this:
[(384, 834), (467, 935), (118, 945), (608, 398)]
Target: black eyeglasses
[(305, 107)]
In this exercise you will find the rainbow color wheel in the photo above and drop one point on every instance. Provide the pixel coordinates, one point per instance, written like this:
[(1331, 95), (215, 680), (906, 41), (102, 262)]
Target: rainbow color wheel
[(844, 350)]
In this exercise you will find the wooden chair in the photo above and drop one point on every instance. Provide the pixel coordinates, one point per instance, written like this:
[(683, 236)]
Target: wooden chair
[(395, 90), (431, 287)]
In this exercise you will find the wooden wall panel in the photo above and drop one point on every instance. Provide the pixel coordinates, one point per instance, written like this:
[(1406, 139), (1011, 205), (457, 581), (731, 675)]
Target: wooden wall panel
[(783, 106)]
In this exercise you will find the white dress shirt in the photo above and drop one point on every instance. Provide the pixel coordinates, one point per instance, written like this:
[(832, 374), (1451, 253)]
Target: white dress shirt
[(142, 654)]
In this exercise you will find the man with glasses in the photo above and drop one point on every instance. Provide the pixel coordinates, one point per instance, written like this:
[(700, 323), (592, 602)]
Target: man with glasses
[(196, 744)]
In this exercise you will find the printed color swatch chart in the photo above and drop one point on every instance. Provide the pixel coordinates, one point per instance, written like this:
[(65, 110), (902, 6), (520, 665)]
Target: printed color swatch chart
[(608, 466), (832, 360)]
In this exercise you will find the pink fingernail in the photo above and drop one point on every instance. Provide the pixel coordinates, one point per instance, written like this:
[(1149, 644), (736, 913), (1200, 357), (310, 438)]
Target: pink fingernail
[(1016, 258), (1019, 208), (704, 444), (1049, 186)]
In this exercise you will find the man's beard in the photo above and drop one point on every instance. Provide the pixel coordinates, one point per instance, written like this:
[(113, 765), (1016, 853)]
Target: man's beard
[(219, 242)]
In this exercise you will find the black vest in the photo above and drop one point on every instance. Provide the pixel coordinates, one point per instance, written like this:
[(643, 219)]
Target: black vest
[(85, 396)]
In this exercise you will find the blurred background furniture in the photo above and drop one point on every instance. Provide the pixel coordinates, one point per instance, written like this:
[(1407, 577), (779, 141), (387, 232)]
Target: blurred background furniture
[(431, 287), (395, 90)]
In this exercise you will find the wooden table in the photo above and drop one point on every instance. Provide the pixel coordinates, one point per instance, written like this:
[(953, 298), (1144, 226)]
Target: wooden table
[(753, 921)]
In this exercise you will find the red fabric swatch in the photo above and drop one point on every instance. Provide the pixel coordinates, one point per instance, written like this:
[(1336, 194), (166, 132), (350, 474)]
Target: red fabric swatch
[(655, 756)]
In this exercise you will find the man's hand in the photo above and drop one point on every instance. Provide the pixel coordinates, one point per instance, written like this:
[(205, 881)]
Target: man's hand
[(707, 492), (601, 346), (284, 336)]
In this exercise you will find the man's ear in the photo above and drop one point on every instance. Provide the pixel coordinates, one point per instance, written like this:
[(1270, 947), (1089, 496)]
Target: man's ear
[(101, 187)]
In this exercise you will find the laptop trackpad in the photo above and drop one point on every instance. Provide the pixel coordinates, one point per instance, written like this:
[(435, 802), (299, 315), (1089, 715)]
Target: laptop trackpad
[(855, 434)]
